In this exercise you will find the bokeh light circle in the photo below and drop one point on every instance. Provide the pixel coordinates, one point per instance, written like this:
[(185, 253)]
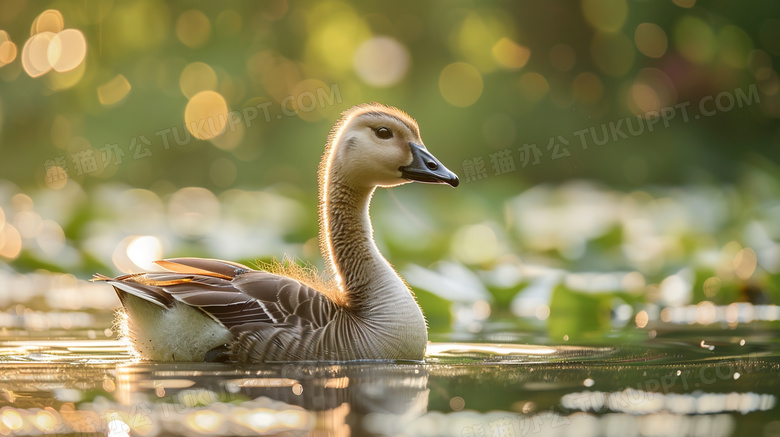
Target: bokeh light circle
[(605, 15), (197, 77), (193, 28), (311, 99), (381, 61), (10, 242), (35, 58), (460, 84), (206, 115), (114, 90), (651, 40), (695, 40), (533, 86), (734, 46), (144, 250), (510, 54), (8, 52), (49, 20), (652, 90), (67, 50)]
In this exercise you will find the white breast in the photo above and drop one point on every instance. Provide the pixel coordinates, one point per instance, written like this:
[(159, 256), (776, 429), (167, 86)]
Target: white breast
[(179, 333)]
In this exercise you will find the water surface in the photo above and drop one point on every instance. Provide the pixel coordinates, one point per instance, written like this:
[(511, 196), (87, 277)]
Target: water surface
[(682, 381)]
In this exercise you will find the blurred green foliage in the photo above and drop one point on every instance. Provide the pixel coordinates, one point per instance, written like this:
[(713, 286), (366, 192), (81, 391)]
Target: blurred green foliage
[(569, 82), (516, 97)]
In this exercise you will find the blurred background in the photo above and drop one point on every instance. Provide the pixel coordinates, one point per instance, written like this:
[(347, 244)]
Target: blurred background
[(618, 159)]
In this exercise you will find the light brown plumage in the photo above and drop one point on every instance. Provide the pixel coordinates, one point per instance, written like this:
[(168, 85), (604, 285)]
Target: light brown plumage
[(368, 313)]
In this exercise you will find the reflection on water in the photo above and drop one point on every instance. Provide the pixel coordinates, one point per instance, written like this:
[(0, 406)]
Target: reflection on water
[(199, 399), (665, 386), (68, 351), (550, 423)]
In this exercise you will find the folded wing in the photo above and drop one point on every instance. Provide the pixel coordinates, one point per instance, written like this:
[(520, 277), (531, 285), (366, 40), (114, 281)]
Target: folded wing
[(230, 293)]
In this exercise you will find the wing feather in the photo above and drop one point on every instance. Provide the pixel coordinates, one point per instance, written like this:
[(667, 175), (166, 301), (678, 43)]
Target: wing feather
[(203, 266), (146, 292), (236, 296)]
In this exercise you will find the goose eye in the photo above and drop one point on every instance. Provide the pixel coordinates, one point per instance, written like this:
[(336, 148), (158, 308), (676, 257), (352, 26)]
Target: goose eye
[(384, 133)]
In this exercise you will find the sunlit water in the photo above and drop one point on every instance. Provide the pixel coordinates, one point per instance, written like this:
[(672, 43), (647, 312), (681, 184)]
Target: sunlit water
[(681, 382)]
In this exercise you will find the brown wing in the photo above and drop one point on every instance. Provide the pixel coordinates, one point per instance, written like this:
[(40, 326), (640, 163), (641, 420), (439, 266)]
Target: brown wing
[(231, 293)]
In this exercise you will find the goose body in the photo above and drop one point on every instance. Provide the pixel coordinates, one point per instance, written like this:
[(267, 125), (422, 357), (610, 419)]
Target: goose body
[(215, 310)]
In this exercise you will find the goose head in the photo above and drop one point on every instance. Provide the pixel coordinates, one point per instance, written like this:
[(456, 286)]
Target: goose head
[(380, 146)]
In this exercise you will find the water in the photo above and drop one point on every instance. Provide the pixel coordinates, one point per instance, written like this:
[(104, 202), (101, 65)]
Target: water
[(689, 381)]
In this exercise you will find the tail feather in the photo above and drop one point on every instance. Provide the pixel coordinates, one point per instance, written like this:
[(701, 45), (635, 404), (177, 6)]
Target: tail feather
[(97, 277), (203, 266), (125, 285)]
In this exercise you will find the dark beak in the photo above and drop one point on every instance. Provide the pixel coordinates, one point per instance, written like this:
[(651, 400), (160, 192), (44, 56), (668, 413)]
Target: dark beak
[(426, 168)]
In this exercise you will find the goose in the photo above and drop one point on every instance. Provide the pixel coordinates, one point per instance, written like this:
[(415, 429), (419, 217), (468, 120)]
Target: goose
[(212, 310)]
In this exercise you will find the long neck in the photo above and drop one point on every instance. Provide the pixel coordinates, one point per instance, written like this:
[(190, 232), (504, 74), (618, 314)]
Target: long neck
[(367, 280)]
